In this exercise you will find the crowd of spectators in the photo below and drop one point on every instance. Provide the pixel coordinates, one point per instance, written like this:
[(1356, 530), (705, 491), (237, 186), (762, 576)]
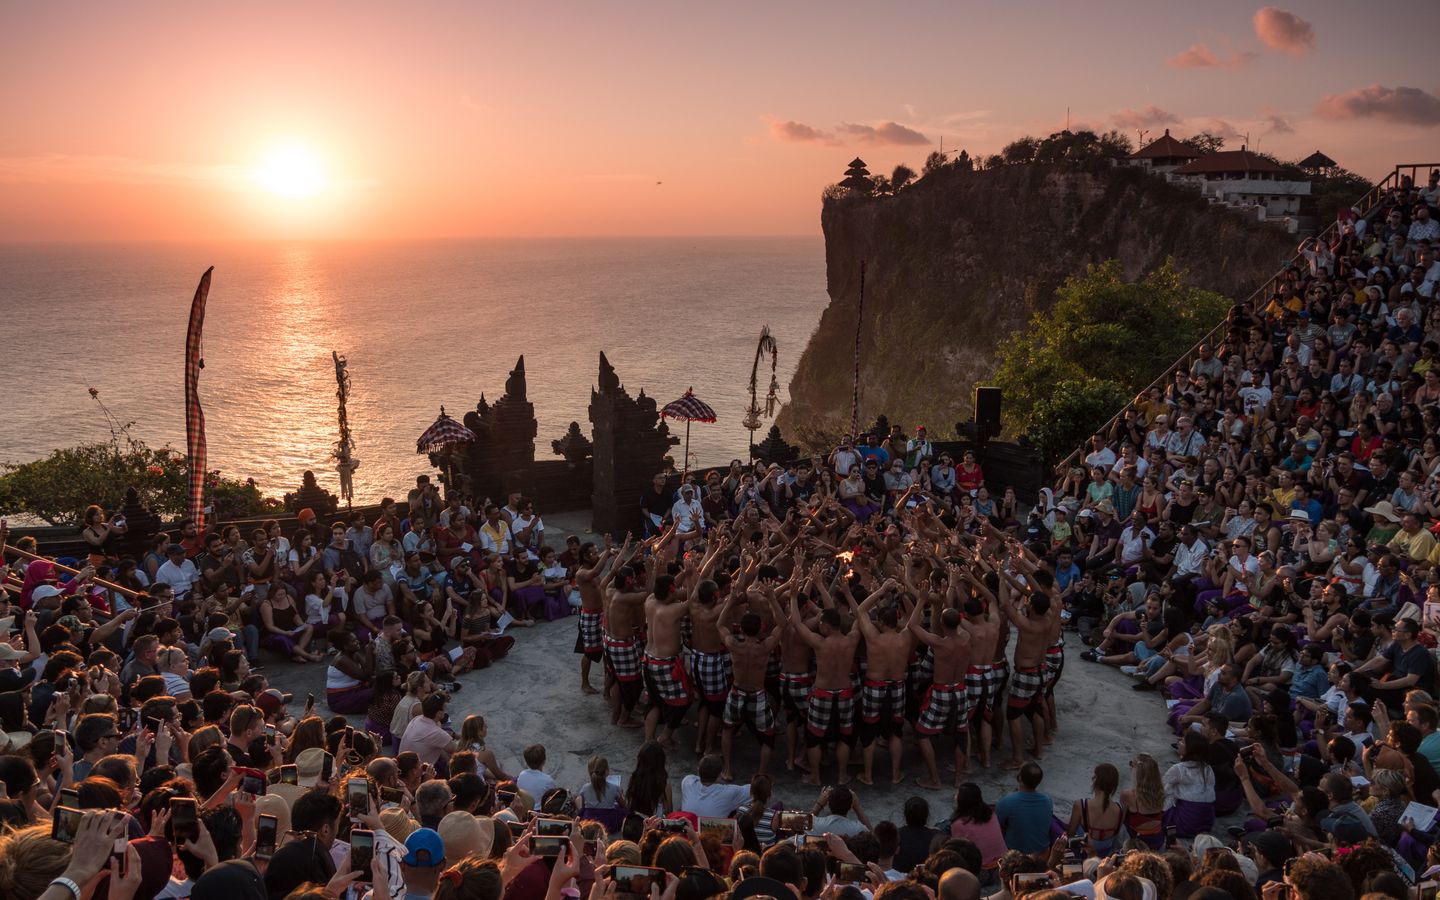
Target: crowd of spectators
[(1252, 543)]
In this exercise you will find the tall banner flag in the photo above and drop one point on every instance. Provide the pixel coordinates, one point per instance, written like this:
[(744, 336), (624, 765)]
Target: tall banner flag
[(194, 415)]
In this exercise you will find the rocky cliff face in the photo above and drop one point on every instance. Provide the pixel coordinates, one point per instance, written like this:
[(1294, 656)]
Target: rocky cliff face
[(959, 260)]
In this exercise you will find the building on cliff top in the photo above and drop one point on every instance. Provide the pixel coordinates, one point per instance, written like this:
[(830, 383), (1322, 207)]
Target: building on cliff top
[(1247, 180), (1164, 154)]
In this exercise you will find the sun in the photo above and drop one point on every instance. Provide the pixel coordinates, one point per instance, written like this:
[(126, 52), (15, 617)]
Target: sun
[(292, 170)]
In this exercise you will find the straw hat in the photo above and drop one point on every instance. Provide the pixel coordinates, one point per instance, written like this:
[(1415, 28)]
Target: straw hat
[(1385, 511)]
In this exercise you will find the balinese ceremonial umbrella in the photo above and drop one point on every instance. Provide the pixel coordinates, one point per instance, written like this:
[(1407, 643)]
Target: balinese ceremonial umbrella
[(443, 436), (688, 408)]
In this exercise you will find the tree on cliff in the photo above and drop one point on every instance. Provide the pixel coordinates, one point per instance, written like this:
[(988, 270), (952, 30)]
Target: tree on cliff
[(1102, 341), (901, 177), (1205, 142)]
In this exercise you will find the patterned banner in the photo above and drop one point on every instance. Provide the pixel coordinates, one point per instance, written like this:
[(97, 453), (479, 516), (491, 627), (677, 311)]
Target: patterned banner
[(194, 415)]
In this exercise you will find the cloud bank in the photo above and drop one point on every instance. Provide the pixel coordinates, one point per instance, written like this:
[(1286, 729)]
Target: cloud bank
[(1143, 118), (884, 133), (792, 132), (1405, 105), (1200, 56)]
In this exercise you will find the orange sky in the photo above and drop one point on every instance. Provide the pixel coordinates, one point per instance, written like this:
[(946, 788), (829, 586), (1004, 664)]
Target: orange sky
[(146, 120)]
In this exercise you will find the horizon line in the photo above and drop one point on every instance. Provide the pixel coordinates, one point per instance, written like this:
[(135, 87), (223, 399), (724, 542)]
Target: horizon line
[(401, 240)]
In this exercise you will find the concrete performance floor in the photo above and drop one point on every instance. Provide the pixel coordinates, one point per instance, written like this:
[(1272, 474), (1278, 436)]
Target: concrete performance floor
[(533, 696)]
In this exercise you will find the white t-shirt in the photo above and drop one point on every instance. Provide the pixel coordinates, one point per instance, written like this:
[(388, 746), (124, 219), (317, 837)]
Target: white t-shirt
[(1104, 458), (715, 800), (832, 824), (688, 516), (535, 783), (181, 577)]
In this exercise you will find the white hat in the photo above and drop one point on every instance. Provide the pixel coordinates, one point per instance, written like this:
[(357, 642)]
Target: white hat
[(1299, 515), (44, 592), (8, 652), (1384, 510)]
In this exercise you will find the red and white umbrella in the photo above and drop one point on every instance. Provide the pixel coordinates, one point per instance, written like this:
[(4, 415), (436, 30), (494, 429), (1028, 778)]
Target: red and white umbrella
[(444, 434), (688, 408)]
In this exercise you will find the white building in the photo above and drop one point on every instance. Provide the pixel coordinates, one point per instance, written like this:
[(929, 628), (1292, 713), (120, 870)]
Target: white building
[(1242, 179)]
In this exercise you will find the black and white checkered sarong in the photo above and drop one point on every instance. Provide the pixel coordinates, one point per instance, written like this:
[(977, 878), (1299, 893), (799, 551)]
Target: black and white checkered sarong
[(945, 710), (830, 713), (623, 658), (711, 674), (750, 708), (589, 636), (883, 700)]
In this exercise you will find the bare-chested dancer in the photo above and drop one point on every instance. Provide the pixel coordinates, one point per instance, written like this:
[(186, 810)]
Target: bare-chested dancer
[(984, 677), (797, 678), (590, 637), (748, 703), (665, 675), (945, 709), (887, 653), (1027, 685), (624, 616), (830, 709)]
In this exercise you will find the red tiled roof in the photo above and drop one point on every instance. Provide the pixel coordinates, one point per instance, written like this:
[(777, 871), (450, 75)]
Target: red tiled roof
[(1228, 161), (1166, 147)]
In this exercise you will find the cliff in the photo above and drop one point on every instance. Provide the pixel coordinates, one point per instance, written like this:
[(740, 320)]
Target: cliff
[(960, 259)]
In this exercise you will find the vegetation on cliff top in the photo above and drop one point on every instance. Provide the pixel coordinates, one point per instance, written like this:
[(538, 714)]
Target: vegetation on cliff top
[(1104, 340)]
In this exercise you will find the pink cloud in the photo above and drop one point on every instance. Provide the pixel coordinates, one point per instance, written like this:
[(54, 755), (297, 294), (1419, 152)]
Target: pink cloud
[(884, 133), (792, 132), (1277, 123), (1143, 118), (1282, 30), (1405, 105), (1200, 56)]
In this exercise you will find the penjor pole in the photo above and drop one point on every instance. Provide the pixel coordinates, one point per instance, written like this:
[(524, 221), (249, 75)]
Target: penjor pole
[(194, 415)]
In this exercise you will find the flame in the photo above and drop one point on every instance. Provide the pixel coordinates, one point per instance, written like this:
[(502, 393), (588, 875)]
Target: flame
[(846, 556)]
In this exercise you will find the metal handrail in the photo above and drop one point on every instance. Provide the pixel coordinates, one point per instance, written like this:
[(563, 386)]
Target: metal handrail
[(1364, 204)]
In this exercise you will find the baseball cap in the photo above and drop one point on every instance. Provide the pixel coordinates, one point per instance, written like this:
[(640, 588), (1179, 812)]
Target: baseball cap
[(44, 592), (272, 701), (309, 765), (424, 848), (1274, 844)]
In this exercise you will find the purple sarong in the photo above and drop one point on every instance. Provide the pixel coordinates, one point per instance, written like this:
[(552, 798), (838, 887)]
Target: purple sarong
[(1190, 818)]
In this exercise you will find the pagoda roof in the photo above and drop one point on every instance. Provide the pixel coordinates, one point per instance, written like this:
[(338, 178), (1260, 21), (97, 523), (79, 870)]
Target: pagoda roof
[(1241, 160), (1317, 160), (1166, 147)]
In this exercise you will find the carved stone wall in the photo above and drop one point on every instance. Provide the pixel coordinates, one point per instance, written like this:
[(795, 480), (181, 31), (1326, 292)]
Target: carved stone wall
[(630, 445)]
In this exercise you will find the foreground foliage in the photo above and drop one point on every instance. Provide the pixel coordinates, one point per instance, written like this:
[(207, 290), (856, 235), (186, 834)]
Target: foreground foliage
[(57, 488), (1105, 339)]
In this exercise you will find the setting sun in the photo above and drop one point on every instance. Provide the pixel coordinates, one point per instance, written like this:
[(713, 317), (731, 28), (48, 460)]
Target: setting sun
[(291, 170)]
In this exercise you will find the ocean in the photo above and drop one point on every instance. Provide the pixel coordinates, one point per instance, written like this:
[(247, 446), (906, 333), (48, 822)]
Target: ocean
[(421, 323)]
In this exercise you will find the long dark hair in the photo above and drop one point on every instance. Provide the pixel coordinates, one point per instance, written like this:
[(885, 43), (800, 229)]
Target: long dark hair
[(970, 804), (647, 783)]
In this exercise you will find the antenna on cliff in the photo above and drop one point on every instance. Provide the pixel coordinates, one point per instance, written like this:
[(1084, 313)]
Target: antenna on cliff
[(1141, 132), (1067, 118)]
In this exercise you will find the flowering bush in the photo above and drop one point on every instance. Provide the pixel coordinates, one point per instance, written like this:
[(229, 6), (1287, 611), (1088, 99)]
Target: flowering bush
[(57, 488)]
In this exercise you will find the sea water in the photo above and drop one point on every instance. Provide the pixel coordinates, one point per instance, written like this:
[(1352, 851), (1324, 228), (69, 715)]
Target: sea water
[(421, 323)]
